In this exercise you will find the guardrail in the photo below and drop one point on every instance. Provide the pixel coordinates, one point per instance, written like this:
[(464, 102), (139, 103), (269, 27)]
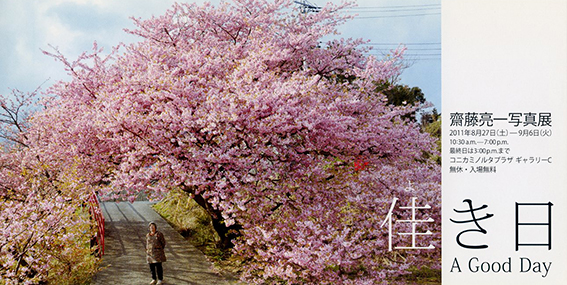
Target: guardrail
[(96, 214)]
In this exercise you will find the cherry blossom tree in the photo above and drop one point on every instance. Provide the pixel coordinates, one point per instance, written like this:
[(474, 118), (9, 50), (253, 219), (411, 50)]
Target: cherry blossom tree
[(44, 227), (247, 109)]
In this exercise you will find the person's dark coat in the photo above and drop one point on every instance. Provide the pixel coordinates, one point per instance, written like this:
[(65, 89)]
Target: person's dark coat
[(155, 245)]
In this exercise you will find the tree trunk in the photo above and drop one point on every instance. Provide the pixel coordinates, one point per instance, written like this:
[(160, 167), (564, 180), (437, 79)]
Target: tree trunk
[(226, 234)]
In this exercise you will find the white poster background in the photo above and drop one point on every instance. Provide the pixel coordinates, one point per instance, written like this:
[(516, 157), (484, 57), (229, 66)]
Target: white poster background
[(503, 56)]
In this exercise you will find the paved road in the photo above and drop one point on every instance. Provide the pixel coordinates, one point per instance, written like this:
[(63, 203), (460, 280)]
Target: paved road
[(126, 228)]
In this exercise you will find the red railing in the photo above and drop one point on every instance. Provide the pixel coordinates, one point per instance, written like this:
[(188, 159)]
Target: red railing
[(96, 213)]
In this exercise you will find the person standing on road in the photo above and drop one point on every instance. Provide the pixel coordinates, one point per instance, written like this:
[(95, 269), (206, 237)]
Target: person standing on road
[(155, 254)]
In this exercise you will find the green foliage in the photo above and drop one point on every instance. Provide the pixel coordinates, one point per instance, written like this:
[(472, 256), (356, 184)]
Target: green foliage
[(431, 123), (74, 264), (401, 95), (423, 275), (434, 129)]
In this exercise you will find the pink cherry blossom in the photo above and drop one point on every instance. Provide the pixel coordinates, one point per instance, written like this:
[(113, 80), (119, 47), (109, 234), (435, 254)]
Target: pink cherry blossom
[(245, 108)]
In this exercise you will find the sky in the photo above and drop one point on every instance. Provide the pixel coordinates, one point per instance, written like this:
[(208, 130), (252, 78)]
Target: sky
[(29, 26)]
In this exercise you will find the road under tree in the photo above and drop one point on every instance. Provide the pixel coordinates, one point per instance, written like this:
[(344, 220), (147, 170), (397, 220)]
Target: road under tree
[(124, 259)]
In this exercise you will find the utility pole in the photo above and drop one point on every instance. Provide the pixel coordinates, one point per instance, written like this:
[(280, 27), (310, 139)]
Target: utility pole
[(306, 7)]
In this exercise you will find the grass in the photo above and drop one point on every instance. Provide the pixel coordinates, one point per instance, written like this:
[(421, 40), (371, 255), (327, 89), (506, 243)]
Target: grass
[(424, 275), (195, 225)]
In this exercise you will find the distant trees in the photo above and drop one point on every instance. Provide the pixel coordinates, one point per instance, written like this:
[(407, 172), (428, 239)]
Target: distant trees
[(400, 95), (431, 124)]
